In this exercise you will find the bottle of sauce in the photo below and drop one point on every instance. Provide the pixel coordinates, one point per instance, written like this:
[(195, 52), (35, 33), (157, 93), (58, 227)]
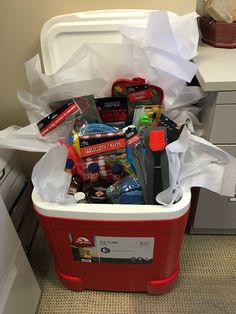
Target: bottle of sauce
[(117, 172), (76, 183), (93, 170), (93, 177), (95, 188)]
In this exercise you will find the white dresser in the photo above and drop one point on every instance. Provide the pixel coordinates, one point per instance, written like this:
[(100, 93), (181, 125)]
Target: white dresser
[(15, 191), (19, 290), (217, 76)]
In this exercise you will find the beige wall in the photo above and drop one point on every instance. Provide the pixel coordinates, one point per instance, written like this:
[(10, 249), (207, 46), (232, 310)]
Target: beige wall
[(20, 25)]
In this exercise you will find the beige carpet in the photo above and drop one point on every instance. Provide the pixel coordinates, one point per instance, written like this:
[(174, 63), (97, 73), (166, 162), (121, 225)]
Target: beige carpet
[(207, 283)]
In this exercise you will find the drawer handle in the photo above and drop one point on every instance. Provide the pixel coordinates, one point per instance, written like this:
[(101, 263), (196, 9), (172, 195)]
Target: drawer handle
[(232, 199)]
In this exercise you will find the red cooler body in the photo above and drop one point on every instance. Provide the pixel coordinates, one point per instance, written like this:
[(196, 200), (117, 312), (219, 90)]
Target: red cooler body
[(115, 247)]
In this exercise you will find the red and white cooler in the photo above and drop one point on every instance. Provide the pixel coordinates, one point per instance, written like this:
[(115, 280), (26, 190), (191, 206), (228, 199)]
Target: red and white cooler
[(115, 247), (107, 246)]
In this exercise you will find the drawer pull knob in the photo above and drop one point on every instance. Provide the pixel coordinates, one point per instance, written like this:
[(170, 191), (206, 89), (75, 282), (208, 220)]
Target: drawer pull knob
[(232, 199)]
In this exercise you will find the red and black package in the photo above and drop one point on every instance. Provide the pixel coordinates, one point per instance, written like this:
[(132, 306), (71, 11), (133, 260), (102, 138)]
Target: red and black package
[(113, 110), (86, 104), (67, 111)]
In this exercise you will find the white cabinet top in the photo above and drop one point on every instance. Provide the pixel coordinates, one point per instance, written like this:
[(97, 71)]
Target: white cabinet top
[(216, 70)]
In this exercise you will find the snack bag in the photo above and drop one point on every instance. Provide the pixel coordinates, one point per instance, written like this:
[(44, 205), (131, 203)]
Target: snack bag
[(126, 191)]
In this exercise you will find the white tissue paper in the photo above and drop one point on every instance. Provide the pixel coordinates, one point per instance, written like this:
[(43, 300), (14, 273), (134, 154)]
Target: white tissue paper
[(49, 178), (29, 138), (26, 139), (160, 53), (194, 162)]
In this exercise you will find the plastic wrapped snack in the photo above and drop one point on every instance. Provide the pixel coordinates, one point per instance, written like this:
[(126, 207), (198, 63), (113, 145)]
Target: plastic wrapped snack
[(126, 191)]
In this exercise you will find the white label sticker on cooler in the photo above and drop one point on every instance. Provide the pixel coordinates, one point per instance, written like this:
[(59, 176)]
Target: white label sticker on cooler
[(125, 250)]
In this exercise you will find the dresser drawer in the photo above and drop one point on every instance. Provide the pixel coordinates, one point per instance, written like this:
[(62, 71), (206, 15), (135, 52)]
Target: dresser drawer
[(215, 213), (223, 130), (226, 98), (28, 227), (231, 149), (21, 206)]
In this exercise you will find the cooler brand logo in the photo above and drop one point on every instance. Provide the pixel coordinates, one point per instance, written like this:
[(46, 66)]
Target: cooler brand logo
[(82, 240)]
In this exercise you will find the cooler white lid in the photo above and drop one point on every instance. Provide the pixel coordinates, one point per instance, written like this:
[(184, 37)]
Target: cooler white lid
[(62, 35)]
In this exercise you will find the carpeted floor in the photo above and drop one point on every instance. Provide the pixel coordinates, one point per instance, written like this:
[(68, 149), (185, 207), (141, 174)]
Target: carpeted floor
[(207, 283)]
